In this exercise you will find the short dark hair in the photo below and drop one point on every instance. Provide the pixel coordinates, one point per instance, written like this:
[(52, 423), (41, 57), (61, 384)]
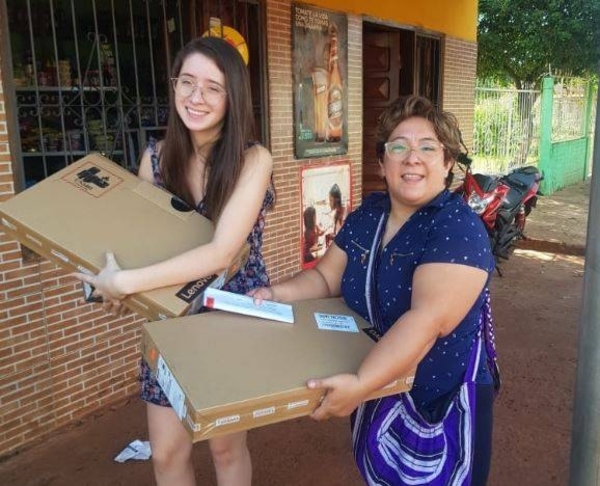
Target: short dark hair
[(444, 124)]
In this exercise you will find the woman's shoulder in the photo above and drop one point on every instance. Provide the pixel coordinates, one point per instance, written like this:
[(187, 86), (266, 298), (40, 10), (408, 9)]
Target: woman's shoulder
[(256, 148), (370, 208), (256, 153), (374, 201), (455, 207)]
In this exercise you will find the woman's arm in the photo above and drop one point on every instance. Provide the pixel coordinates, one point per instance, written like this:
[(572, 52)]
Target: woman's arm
[(232, 229), (316, 283), (442, 296)]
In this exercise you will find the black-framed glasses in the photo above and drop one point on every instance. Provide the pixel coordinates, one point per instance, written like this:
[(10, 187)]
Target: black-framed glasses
[(426, 150), (186, 86)]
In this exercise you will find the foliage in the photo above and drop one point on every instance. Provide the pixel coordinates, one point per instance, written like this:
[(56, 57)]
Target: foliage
[(521, 40)]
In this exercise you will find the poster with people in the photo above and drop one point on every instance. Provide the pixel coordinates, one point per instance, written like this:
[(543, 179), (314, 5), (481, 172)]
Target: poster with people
[(320, 69), (326, 201)]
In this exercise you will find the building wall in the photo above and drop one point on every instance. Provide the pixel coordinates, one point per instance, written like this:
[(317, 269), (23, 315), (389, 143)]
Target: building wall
[(60, 359), (457, 18), (282, 236), (459, 76)]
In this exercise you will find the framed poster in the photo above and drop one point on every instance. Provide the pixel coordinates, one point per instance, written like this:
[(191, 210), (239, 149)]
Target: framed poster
[(320, 70), (326, 201)]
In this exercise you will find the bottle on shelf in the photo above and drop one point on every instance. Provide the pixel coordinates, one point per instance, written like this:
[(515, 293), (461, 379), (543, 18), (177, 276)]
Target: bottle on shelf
[(335, 99), (28, 68)]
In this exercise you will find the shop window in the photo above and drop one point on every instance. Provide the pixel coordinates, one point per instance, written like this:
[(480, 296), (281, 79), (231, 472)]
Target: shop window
[(91, 75)]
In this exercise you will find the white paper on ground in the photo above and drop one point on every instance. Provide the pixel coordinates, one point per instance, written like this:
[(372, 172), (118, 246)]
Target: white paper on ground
[(135, 450)]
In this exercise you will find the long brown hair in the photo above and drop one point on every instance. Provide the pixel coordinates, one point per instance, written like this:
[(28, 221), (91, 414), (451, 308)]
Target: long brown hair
[(226, 157)]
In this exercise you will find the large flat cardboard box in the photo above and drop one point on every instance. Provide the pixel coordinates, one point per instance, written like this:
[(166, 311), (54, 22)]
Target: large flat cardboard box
[(226, 372), (93, 205)]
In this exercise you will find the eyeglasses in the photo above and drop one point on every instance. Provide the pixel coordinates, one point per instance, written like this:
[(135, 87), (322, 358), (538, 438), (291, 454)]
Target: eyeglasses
[(185, 87), (399, 150)]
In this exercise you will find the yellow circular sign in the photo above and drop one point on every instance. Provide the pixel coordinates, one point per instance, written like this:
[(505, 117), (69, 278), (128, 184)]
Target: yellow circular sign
[(232, 36)]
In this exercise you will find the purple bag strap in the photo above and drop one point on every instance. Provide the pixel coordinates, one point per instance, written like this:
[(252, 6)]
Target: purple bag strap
[(490, 340)]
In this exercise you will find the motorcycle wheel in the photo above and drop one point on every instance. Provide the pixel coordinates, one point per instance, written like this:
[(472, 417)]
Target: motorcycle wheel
[(504, 241), (530, 204)]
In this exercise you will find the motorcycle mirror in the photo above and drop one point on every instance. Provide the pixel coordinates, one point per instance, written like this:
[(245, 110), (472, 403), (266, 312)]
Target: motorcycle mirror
[(464, 159)]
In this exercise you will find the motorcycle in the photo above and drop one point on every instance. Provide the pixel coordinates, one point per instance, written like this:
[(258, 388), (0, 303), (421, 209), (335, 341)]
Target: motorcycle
[(502, 202)]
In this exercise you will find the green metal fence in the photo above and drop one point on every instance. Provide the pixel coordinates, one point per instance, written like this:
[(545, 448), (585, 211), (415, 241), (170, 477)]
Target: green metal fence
[(551, 128), (566, 132), (506, 129)]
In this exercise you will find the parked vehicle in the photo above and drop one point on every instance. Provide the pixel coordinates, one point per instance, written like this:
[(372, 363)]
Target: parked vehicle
[(502, 202)]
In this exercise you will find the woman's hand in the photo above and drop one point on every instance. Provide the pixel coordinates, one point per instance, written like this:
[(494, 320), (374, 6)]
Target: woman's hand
[(106, 281), (262, 293), (344, 393)]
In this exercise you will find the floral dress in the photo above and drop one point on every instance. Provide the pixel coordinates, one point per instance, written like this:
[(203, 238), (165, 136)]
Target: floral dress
[(252, 275)]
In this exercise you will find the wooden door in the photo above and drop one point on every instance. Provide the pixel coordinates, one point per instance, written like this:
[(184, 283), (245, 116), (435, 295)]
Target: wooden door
[(381, 84)]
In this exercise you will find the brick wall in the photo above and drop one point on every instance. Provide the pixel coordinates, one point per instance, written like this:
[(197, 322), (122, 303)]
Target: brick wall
[(459, 76), (282, 236), (60, 358)]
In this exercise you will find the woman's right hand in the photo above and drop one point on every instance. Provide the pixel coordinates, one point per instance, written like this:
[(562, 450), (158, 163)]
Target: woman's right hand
[(262, 293), (106, 281)]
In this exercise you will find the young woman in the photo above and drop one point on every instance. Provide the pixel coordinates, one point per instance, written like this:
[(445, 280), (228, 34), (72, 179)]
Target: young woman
[(415, 262), (208, 159), (312, 232), (338, 209)]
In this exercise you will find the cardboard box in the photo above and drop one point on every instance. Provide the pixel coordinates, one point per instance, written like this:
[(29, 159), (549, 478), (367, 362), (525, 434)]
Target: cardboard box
[(226, 372), (93, 205)]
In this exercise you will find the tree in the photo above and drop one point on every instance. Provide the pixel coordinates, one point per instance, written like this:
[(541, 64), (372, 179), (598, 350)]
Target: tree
[(521, 40)]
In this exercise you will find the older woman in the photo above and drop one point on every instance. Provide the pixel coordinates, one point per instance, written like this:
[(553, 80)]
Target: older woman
[(414, 261)]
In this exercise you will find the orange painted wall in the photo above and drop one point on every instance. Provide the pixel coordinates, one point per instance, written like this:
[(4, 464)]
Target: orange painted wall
[(457, 18)]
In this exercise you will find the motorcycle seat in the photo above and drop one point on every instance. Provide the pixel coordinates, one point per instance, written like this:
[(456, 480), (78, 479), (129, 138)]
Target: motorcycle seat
[(485, 182)]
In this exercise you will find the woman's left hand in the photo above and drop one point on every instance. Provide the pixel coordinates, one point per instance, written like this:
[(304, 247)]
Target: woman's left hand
[(344, 394)]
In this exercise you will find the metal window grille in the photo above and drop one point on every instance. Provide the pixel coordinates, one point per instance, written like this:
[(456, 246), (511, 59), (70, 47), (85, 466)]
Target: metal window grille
[(91, 75)]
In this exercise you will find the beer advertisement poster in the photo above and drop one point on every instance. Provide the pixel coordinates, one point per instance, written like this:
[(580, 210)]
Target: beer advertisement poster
[(320, 64), (326, 201)]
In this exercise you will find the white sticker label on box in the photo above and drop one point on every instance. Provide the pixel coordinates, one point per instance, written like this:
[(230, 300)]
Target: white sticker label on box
[(193, 425), (170, 387), (33, 240), (335, 322), (293, 405), (232, 419), (83, 269), (60, 255), (8, 224), (262, 412)]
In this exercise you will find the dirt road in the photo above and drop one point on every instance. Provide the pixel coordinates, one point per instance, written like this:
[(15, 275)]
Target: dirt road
[(536, 306)]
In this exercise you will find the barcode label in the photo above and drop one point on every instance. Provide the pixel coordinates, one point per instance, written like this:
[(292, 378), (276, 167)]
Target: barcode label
[(170, 387)]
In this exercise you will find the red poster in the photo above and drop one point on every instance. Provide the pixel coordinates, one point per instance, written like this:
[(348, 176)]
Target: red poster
[(326, 201)]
